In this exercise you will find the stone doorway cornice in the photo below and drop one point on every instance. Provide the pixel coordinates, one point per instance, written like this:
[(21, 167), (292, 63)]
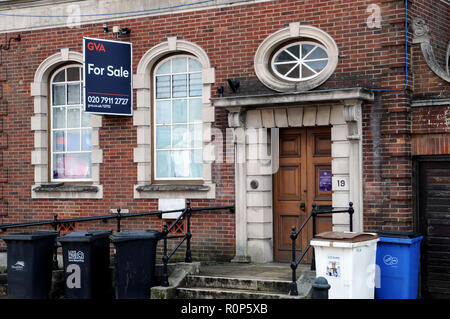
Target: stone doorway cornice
[(290, 98), (279, 109)]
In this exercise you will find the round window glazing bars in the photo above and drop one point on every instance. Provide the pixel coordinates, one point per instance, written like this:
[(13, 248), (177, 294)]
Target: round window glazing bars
[(300, 61)]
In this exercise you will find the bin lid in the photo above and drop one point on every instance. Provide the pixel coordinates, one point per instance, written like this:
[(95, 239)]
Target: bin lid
[(40, 234), (84, 236), (398, 234), (349, 237), (128, 235)]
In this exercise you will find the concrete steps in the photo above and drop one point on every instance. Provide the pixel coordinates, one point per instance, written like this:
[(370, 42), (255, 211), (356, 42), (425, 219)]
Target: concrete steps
[(237, 283), (214, 287), (222, 293)]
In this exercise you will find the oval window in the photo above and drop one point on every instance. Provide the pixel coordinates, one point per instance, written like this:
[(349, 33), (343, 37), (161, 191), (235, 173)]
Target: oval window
[(300, 61)]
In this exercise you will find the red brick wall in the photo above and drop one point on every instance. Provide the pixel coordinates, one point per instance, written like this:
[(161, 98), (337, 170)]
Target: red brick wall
[(431, 144), (431, 124), (431, 119), (387, 164), (391, 127), (431, 130), (230, 36)]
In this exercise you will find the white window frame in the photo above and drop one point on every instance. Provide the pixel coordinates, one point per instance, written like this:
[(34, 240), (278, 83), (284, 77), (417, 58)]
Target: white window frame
[(39, 125), (155, 125), (294, 32), (300, 61), (66, 106)]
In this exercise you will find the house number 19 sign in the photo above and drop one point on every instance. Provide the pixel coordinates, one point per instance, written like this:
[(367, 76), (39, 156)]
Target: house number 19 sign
[(340, 183)]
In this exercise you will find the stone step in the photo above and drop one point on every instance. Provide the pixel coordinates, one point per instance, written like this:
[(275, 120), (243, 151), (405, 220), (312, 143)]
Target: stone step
[(209, 286), (261, 285), (228, 293)]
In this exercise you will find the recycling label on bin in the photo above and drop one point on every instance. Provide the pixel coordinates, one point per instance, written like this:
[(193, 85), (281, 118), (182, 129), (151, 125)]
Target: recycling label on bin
[(75, 256), (390, 260), (18, 266)]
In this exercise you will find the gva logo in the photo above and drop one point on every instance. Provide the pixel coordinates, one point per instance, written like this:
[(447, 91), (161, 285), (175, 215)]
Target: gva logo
[(96, 46)]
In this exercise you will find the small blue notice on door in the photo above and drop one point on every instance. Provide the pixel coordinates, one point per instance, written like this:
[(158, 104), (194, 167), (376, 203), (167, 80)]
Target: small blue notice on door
[(325, 181)]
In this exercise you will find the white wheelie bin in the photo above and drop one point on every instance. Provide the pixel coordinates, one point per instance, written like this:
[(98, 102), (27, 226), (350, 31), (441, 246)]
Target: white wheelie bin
[(348, 261)]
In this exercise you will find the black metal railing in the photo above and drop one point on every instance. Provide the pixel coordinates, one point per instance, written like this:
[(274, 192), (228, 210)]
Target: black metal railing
[(185, 213), (294, 235), (55, 222)]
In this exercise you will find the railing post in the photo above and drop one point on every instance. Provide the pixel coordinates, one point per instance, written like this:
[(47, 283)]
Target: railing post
[(314, 214), (294, 291), (314, 231), (165, 258), (188, 258), (55, 222), (55, 245), (351, 211), (119, 217)]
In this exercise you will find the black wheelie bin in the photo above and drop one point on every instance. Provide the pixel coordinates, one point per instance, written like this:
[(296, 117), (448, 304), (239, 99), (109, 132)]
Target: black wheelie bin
[(134, 262), (86, 264), (30, 264)]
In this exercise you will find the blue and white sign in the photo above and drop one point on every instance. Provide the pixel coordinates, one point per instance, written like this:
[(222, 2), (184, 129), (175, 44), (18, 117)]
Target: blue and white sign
[(107, 77)]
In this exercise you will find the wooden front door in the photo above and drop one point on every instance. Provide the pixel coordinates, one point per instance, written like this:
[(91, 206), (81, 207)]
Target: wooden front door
[(303, 178)]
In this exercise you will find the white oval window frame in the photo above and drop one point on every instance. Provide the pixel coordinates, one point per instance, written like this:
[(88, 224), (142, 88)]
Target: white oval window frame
[(299, 43), (295, 31)]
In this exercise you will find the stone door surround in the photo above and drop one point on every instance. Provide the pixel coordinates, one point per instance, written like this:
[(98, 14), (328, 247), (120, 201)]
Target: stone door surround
[(255, 120)]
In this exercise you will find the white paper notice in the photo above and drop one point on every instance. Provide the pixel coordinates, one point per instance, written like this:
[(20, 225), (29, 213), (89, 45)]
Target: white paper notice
[(165, 204)]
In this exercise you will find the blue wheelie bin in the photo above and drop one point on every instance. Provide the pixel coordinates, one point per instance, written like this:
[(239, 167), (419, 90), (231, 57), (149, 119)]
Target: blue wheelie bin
[(398, 257)]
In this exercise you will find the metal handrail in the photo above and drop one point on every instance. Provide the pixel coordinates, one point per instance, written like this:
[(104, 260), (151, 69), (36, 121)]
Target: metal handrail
[(294, 235), (185, 212)]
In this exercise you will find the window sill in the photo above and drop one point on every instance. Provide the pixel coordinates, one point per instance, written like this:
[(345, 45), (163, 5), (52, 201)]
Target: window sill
[(172, 187), (63, 191), (175, 191)]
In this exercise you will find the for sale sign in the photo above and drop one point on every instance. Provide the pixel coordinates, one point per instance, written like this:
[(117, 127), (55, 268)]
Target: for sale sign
[(107, 77)]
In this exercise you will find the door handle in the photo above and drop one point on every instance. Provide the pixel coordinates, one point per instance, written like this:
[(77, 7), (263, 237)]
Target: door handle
[(302, 206)]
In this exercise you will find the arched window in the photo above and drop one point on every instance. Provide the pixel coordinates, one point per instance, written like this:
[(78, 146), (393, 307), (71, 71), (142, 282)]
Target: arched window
[(70, 127), (177, 119)]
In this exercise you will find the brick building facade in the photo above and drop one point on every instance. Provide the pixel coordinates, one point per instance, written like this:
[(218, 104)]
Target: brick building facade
[(366, 119)]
